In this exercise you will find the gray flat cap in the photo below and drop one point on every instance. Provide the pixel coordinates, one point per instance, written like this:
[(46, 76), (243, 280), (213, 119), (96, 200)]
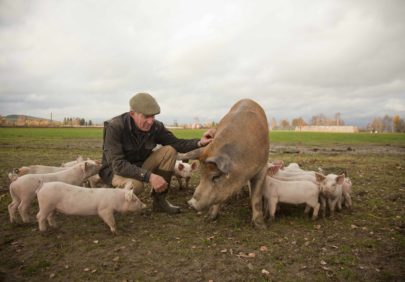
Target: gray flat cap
[(144, 103)]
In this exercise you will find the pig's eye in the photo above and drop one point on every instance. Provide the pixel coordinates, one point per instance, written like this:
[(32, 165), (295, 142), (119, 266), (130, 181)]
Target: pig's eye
[(216, 178)]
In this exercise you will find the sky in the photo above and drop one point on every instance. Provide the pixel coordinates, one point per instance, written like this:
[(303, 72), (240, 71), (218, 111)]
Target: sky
[(296, 58)]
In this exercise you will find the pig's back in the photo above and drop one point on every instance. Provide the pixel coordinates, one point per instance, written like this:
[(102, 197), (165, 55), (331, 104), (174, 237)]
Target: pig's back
[(244, 135), (71, 199)]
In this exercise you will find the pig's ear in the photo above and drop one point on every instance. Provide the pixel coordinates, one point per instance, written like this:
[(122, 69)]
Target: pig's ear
[(272, 169), (79, 159), (129, 195), (192, 155), (319, 177), (194, 166), (340, 179), (223, 163), (279, 163), (181, 166), (83, 166)]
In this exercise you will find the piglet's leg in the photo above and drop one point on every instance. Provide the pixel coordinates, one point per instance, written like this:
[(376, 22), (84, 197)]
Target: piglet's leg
[(41, 217), (180, 182), (23, 208), (12, 208), (51, 219), (108, 217)]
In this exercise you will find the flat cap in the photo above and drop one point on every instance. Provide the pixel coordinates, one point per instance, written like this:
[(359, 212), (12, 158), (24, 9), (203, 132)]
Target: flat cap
[(144, 103)]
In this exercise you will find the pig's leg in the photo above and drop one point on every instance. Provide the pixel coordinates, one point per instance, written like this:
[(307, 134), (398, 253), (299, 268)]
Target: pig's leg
[(41, 217), (266, 208), (12, 208), (332, 205), (51, 219), (307, 209), (323, 205), (180, 182), (273, 207), (257, 185), (348, 200), (316, 206), (108, 217), (213, 212), (339, 203), (23, 208)]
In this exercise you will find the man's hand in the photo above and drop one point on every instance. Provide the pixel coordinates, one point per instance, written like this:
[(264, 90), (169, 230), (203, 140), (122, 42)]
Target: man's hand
[(158, 183), (207, 137)]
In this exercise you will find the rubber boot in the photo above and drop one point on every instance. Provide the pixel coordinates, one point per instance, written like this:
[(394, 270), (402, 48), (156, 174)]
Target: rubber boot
[(160, 203)]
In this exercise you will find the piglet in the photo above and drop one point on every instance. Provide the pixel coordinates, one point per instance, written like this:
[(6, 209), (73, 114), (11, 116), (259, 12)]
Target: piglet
[(23, 189), (346, 192), (331, 188), (184, 170), (290, 192), (74, 200)]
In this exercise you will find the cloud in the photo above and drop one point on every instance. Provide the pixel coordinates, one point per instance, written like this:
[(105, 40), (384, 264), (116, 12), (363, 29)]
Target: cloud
[(298, 58)]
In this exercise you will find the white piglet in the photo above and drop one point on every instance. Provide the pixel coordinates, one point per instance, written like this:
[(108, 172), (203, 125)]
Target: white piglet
[(346, 192), (184, 170), (23, 189), (74, 200), (36, 169), (331, 187), (290, 192)]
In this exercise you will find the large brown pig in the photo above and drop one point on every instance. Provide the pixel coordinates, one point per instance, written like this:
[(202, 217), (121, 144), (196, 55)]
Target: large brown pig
[(237, 155)]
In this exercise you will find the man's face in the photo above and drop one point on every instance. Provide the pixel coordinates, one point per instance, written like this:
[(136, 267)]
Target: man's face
[(144, 123)]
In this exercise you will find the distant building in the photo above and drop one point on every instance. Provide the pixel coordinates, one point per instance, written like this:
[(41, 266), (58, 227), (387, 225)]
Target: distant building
[(196, 126), (327, 128)]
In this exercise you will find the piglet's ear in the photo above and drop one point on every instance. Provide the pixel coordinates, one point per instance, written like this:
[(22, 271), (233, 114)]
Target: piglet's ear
[(272, 169), (181, 166), (194, 166), (340, 179), (129, 195), (319, 177), (83, 166)]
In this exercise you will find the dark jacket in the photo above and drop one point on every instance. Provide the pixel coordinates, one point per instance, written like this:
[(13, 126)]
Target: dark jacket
[(125, 147)]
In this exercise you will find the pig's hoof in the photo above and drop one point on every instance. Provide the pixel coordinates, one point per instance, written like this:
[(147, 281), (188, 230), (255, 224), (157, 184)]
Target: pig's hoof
[(210, 217), (259, 224)]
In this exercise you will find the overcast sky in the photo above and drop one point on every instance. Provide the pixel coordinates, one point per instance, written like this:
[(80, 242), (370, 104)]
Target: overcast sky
[(197, 58)]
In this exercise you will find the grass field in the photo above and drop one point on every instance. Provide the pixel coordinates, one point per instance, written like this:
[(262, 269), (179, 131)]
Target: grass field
[(18, 135), (365, 244)]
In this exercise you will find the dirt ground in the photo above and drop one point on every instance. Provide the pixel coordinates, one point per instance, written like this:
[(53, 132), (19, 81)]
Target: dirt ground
[(364, 244)]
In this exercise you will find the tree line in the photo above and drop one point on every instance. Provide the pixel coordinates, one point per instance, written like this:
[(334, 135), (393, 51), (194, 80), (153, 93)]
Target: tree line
[(317, 120), (69, 121), (387, 124), (378, 124)]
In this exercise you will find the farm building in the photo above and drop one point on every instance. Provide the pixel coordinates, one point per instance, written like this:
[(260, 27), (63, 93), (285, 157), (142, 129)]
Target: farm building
[(327, 128)]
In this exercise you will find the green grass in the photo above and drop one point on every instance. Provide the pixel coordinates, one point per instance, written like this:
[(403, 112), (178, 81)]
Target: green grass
[(287, 137), (324, 138), (51, 133)]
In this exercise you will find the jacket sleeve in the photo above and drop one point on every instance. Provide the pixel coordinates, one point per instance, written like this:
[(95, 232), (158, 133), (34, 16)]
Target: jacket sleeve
[(115, 156), (181, 145)]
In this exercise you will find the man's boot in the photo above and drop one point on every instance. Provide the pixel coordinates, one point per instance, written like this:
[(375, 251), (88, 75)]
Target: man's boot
[(160, 203)]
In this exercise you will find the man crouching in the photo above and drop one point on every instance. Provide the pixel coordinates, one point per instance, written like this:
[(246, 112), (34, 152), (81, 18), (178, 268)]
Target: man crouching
[(128, 155)]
